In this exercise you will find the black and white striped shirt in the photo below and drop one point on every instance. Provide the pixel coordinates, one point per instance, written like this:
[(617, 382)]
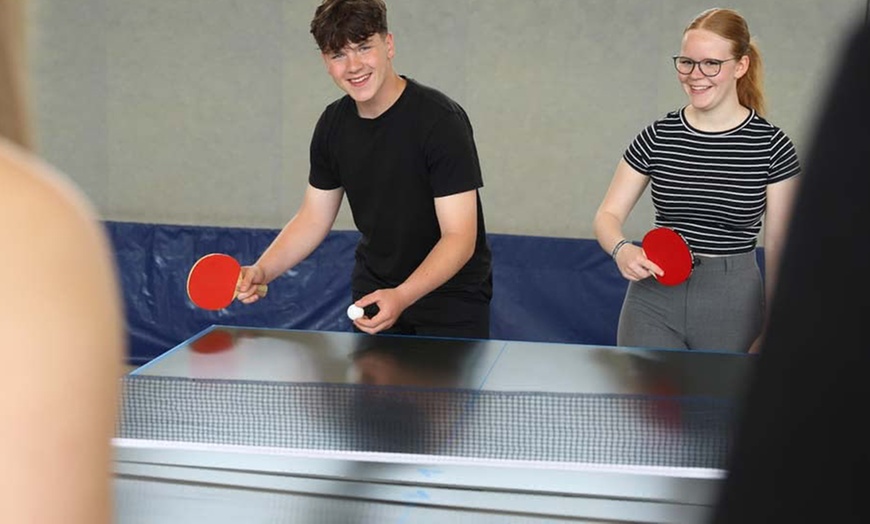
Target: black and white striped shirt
[(711, 186)]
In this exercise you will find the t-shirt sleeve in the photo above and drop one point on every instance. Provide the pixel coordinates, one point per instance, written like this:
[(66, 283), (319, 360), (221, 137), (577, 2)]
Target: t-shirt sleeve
[(784, 161), (637, 155), (322, 174), (451, 156)]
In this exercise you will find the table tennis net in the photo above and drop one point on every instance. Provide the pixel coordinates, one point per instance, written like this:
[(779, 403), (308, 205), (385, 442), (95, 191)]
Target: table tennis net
[(632, 430)]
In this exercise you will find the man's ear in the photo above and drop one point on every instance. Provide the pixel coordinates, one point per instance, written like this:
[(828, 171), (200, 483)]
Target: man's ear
[(391, 47)]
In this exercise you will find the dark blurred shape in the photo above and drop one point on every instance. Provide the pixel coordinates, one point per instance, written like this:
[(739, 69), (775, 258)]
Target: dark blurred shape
[(405, 402), (802, 448), (411, 361)]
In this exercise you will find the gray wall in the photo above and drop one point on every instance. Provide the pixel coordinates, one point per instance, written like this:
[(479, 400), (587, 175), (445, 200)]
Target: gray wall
[(200, 111)]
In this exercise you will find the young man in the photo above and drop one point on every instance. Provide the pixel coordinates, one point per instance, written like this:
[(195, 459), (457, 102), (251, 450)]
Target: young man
[(405, 156)]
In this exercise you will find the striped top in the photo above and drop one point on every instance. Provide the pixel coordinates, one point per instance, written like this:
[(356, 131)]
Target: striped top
[(711, 186)]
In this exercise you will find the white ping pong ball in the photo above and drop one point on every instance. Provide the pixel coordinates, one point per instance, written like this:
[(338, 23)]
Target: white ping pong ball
[(354, 312)]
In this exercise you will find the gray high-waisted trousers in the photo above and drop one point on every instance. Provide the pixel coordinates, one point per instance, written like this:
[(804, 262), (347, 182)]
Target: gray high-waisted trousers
[(720, 307)]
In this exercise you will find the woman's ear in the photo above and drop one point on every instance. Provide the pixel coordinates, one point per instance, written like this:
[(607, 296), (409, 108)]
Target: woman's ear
[(742, 66)]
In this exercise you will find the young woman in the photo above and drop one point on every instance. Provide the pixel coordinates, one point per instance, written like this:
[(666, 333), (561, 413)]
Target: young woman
[(716, 168)]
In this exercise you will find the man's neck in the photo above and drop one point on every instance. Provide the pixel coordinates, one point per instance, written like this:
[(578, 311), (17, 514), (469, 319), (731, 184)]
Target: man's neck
[(390, 91)]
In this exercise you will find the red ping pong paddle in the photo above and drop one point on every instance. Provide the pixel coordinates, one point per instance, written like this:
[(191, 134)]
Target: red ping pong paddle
[(213, 279), (213, 342), (667, 406), (670, 251)]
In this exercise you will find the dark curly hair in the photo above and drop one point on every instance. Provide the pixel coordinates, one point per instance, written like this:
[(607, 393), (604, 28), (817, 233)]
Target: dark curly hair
[(337, 23)]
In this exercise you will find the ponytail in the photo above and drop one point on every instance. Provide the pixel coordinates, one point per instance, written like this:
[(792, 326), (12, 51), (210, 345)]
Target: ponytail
[(750, 87)]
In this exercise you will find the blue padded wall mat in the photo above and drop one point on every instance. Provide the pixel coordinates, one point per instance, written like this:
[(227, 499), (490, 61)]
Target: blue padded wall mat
[(545, 289)]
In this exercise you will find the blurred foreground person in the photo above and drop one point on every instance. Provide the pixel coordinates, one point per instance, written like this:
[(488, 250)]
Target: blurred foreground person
[(802, 448), (61, 326)]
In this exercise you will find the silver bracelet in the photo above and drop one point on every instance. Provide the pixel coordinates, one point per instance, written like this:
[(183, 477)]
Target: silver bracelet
[(617, 247)]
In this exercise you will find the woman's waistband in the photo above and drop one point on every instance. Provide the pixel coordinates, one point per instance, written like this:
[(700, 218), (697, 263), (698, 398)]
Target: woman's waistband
[(726, 262)]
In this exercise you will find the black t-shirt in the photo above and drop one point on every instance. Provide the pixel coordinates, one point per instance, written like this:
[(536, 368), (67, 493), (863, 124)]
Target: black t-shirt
[(392, 168)]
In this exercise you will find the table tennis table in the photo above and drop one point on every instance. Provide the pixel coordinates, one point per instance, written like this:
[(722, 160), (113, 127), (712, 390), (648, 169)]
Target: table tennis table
[(257, 425)]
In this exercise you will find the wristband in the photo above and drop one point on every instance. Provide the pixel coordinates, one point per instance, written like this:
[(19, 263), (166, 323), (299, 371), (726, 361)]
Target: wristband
[(617, 247)]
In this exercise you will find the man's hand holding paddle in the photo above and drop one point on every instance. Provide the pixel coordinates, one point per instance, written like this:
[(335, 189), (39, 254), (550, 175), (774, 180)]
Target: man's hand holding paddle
[(250, 280)]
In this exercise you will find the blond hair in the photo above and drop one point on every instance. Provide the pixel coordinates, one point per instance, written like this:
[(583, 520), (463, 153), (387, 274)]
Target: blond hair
[(14, 121), (728, 24)]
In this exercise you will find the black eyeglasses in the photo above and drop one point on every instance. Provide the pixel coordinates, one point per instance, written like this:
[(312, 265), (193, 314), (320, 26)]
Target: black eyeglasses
[(708, 66)]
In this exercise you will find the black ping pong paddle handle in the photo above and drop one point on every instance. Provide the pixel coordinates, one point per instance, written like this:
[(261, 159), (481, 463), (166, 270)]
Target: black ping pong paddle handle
[(371, 310)]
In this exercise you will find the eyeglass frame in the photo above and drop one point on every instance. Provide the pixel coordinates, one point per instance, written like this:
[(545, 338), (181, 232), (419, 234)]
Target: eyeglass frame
[(697, 63)]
